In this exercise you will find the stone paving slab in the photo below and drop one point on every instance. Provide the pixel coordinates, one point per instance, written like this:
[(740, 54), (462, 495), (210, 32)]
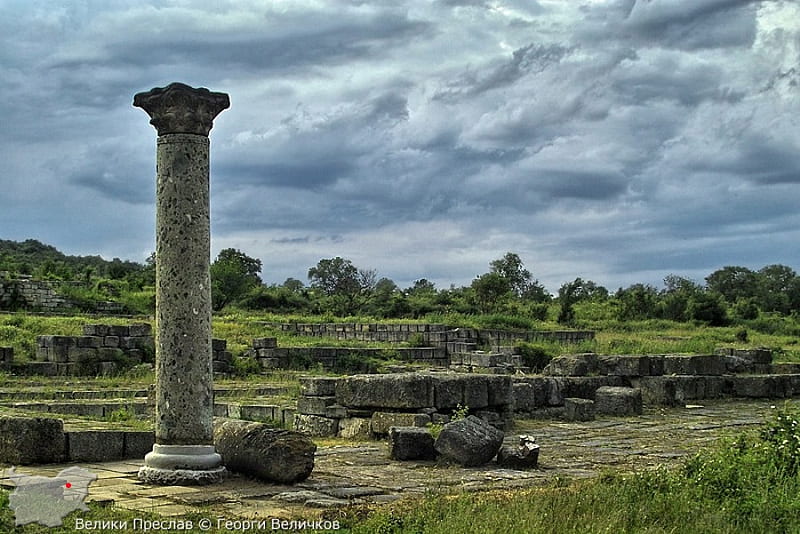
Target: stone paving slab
[(362, 473)]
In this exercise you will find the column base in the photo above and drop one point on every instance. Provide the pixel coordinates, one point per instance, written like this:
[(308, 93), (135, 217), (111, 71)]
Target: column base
[(178, 465)]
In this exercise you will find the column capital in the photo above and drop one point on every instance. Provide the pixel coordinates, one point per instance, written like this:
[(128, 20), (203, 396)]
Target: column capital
[(179, 108)]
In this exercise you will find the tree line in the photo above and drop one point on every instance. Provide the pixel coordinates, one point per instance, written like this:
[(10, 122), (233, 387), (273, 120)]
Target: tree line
[(337, 287)]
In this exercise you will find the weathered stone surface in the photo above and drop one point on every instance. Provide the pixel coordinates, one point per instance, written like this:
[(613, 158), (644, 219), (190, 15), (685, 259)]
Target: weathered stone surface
[(355, 428), (627, 365), (469, 442), (701, 364), (764, 386), (314, 405), (257, 450), (315, 425), (524, 456), (318, 386), (181, 109), (411, 443), (403, 391), (610, 400), (31, 440), (576, 409), (381, 422), (572, 365), (95, 445)]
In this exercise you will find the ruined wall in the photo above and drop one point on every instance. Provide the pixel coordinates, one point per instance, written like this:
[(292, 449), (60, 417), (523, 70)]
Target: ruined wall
[(31, 294), (434, 334)]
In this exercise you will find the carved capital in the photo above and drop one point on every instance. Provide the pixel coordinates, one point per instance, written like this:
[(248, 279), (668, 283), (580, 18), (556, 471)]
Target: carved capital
[(178, 108)]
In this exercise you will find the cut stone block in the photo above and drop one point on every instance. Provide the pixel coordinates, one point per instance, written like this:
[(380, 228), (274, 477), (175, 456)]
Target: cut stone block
[(705, 364), (578, 409), (355, 428), (95, 445), (381, 422), (620, 401), (31, 440), (318, 386), (411, 443), (572, 365), (402, 391), (314, 405), (315, 425)]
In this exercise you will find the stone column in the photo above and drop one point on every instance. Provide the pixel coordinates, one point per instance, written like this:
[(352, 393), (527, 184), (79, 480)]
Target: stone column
[(184, 451)]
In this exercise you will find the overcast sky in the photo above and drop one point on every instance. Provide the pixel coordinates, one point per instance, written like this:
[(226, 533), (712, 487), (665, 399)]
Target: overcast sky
[(619, 141)]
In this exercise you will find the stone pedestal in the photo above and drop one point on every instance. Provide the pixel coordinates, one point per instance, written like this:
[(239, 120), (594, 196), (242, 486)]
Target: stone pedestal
[(184, 451)]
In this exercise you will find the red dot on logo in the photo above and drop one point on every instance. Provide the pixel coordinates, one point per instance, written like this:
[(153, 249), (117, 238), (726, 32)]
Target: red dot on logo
[(68, 485)]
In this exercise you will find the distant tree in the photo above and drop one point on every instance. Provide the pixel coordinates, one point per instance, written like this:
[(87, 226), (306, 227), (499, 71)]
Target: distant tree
[(637, 302), (422, 286), (775, 287), (568, 295), (233, 274), (733, 283), (674, 299), (490, 290), (292, 284), (518, 278), (346, 285)]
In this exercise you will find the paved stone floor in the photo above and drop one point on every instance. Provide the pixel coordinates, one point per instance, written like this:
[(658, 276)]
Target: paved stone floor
[(362, 473)]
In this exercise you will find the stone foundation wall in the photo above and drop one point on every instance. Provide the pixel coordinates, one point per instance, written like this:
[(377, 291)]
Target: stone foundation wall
[(434, 334), (270, 356), (42, 295), (368, 405), (32, 294)]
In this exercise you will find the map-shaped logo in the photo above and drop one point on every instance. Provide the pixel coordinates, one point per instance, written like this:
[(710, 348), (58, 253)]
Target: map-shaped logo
[(47, 501)]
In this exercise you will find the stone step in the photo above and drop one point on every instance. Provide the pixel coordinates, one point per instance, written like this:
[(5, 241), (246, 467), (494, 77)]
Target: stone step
[(86, 408), (16, 394)]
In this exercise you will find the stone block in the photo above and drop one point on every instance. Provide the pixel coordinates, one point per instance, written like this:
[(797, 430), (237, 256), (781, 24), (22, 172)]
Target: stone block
[(469, 442), (576, 409), (265, 343), (140, 330), (499, 389), (706, 364), (572, 365), (476, 391), (524, 456), (6, 354), (555, 390), (95, 445), (448, 392), (257, 412), (400, 391), (119, 330), (381, 422), (624, 365), (31, 440), (218, 345), (317, 386), (95, 330), (763, 386), (314, 405), (78, 354), (94, 342), (111, 341), (585, 386), (355, 428), (411, 443), (619, 401), (315, 425), (137, 443)]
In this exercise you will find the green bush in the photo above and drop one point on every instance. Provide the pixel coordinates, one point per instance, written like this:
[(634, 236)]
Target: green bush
[(534, 356)]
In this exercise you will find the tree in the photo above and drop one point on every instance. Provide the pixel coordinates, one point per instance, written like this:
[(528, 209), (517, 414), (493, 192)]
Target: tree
[(708, 308), (518, 278), (637, 302), (294, 285), (733, 283), (568, 295), (339, 279), (233, 274), (776, 284), (674, 300), (490, 289)]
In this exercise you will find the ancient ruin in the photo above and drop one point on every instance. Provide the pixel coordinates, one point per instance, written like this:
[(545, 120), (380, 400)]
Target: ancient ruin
[(184, 451)]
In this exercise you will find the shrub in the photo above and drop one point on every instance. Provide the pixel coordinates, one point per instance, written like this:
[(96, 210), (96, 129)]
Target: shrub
[(534, 356)]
